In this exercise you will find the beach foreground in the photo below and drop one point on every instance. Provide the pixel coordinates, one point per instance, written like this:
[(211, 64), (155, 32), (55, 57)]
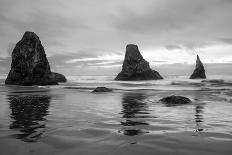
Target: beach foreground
[(69, 119)]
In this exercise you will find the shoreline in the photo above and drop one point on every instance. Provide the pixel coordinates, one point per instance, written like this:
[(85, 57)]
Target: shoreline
[(73, 121)]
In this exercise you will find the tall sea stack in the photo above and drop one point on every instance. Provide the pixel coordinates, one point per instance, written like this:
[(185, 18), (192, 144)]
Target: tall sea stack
[(30, 65), (199, 72), (135, 67)]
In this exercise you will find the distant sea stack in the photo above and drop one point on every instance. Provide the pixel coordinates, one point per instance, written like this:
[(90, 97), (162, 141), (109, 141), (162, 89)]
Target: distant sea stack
[(135, 67), (30, 65), (199, 72)]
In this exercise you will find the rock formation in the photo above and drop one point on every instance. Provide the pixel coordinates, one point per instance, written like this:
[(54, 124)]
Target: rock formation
[(101, 89), (30, 65), (199, 72), (58, 77), (175, 100), (135, 67)]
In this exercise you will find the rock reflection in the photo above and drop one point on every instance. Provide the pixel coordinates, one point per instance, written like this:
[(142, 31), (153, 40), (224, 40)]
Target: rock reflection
[(199, 110), (28, 115), (134, 112), (199, 117)]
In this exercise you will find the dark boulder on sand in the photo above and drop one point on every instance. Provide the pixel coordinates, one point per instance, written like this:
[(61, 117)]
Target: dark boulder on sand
[(30, 65), (175, 100), (101, 89), (199, 72), (135, 67)]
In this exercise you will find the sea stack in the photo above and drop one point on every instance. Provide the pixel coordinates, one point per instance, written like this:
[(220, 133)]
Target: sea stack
[(199, 72), (30, 65), (135, 67)]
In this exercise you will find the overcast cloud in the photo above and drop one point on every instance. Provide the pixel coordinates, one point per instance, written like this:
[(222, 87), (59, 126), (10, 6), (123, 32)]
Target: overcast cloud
[(97, 31)]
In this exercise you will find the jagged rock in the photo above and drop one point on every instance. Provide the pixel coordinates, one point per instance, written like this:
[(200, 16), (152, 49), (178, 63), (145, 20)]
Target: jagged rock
[(135, 67), (175, 100), (199, 72), (30, 65), (101, 89)]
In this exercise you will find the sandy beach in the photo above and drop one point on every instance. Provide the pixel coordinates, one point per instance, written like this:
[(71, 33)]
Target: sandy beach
[(72, 120), (106, 77)]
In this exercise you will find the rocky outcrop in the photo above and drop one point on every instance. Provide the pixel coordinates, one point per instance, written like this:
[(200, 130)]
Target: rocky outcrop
[(135, 67), (30, 65), (59, 77), (101, 89), (175, 100), (199, 72)]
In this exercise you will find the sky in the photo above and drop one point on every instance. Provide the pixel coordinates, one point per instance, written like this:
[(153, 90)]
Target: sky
[(90, 36)]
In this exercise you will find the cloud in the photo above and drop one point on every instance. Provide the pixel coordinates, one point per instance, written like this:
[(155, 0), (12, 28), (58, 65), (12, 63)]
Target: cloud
[(159, 16), (85, 59), (173, 47), (226, 40), (84, 29), (5, 65), (49, 25), (178, 21), (168, 15), (101, 58), (193, 45), (10, 49)]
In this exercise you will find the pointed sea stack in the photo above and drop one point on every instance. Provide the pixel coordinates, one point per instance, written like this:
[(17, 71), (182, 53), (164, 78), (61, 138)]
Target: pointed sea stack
[(199, 72), (30, 65), (135, 67)]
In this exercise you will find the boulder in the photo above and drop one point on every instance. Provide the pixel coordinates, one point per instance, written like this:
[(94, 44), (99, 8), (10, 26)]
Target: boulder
[(175, 100), (135, 67), (101, 89), (30, 65), (59, 77), (199, 72)]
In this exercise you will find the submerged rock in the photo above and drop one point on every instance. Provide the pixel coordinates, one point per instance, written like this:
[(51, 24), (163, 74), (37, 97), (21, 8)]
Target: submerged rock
[(175, 100), (101, 89), (199, 72), (135, 67), (30, 65)]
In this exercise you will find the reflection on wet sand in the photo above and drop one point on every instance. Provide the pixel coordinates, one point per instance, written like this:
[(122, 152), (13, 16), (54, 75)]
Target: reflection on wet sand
[(199, 110), (28, 115), (134, 112), (199, 117)]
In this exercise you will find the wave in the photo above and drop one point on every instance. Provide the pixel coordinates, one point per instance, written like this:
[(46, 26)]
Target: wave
[(151, 89), (219, 82), (169, 83)]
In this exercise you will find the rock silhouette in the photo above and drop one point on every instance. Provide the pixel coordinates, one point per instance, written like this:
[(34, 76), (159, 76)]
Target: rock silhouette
[(135, 67), (101, 89), (58, 77), (199, 72), (175, 100), (30, 65)]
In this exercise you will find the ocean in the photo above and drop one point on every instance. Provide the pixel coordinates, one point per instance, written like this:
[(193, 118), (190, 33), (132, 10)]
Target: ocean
[(70, 119)]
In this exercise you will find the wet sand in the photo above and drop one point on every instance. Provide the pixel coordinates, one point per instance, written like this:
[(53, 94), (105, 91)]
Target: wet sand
[(93, 141), (71, 121)]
